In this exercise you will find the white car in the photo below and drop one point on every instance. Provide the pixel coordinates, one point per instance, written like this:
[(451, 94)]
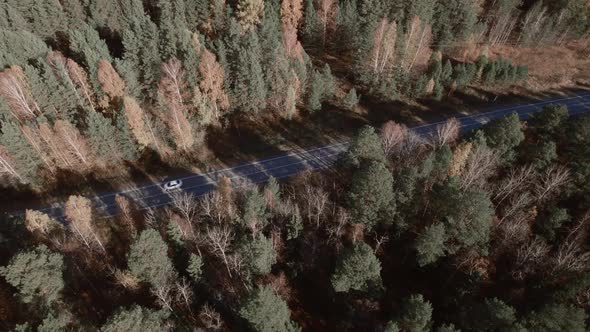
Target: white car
[(174, 184)]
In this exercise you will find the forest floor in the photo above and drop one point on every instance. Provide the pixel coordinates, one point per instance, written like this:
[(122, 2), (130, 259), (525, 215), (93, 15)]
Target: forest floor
[(246, 139)]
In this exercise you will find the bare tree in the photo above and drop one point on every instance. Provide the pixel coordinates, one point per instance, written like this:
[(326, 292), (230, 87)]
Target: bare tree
[(417, 39), (184, 293), (186, 204), (326, 13), (446, 133), (58, 155), (550, 182), (17, 94), (212, 83), (291, 13), (210, 318), (572, 255), (172, 89), (7, 167), (460, 158), (126, 279), (163, 292), (481, 164), (111, 83), (78, 211), (529, 257), (516, 180), (316, 200), (74, 144), (219, 239), (382, 55), (126, 209), (37, 221)]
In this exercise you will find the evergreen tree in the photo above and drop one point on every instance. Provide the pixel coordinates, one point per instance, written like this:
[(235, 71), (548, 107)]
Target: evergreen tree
[(467, 215), (254, 214), (195, 267), (548, 224), (504, 134), (259, 254), (351, 99), (371, 196), (557, 317), (18, 47), (249, 89), (37, 274), (148, 259), (549, 121), (453, 20), (357, 269), (267, 312), (366, 145), (89, 49), (430, 245), (311, 25), (416, 315), (492, 315), (136, 319), (103, 137), (316, 93), (329, 83), (124, 139), (26, 160)]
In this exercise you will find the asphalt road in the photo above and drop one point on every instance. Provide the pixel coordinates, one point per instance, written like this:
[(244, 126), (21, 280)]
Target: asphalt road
[(291, 163)]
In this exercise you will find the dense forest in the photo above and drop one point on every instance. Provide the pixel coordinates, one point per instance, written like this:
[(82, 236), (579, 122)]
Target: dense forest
[(479, 231), (485, 233), (88, 86)]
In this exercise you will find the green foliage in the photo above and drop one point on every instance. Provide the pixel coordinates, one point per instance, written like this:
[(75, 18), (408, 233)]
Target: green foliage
[(89, 48), (503, 135), (548, 223), (37, 274), (329, 83), (365, 146), (492, 315), (557, 317), (351, 99), (371, 196), (430, 244), (124, 140), (467, 215), (267, 312), (26, 160), (541, 154), (258, 253), (453, 20), (315, 95), (136, 319), (195, 267), (254, 210), (294, 224), (357, 268), (18, 47), (577, 141), (249, 90), (52, 323), (549, 121), (447, 328), (103, 137), (416, 315), (311, 26), (148, 259)]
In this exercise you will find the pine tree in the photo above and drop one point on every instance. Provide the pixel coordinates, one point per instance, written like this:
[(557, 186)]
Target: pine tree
[(26, 161), (504, 135), (430, 245), (259, 254), (103, 138), (125, 142), (365, 146), (249, 89), (37, 274), (266, 312), (416, 315), (148, 259), (371, 198), (136, 319), (18, 47), (195, 267), (89, 48), (311, 25), (351, 99), (357, 269), (316, 93)]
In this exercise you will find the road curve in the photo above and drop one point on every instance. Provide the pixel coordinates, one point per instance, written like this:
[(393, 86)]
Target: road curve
[(293, 162)]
